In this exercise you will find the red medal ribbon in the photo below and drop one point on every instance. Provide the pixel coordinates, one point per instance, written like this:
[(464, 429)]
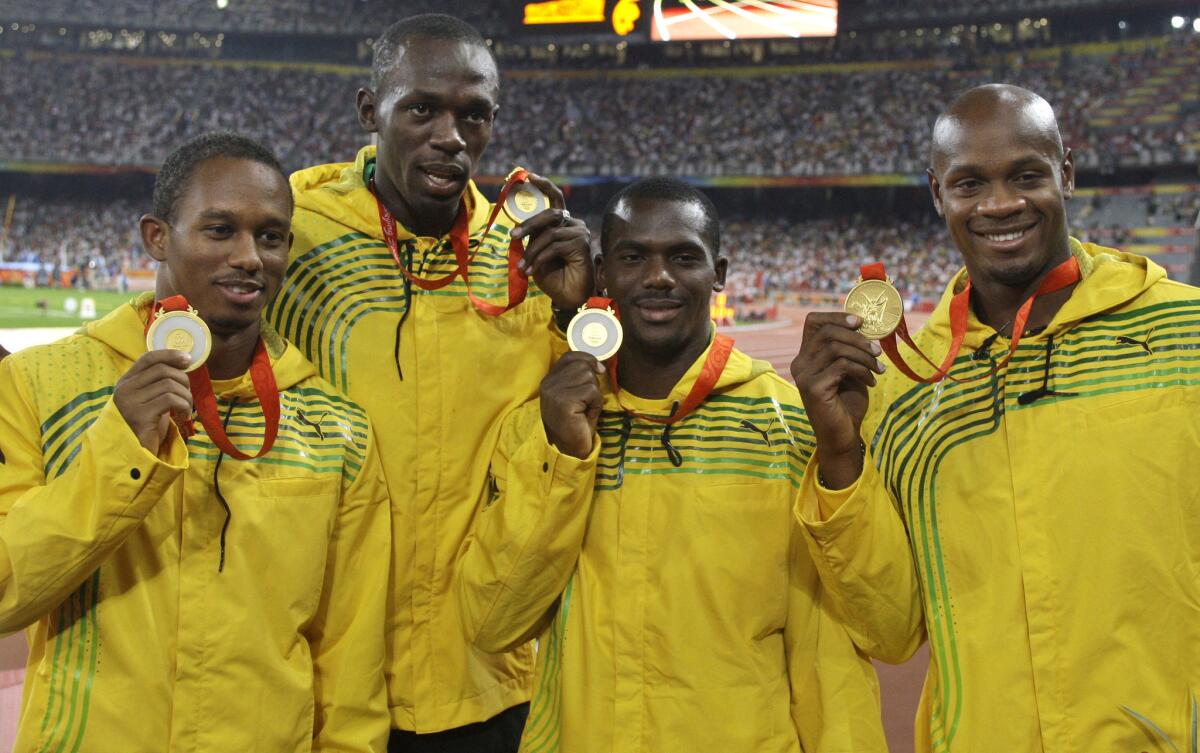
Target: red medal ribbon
[(1062, 276), (205, 400), (518, 281), (710, 373)]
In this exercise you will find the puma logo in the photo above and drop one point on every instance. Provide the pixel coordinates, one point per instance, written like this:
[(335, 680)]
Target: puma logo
[(316, 425), (764, 433), (1143, 344)]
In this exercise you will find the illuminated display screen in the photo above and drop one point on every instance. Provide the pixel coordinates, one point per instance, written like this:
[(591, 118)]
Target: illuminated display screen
[(622, 16), (564, 12), (679, 20)]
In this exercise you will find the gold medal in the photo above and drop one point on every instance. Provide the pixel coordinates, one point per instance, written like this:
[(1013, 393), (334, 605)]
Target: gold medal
[(596, 331), (524, 201), (181, 330), (878, 304)]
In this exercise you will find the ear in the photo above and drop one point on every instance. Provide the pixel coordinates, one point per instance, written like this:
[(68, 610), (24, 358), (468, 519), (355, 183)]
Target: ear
[(1068, 175), (154, 236), (935, 190), (721, 267), (365, 105), (601, 282)]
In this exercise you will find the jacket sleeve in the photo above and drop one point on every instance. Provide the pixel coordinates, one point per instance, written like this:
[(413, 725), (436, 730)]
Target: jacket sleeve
[(524, 544), (55, 532), (834, 689), (346, 636), (860, 547)]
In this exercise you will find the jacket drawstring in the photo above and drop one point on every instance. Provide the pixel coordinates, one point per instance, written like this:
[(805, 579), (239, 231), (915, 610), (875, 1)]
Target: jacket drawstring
[(626, 430), (217, 488), (407, 307), (1032, 396), (673, 454)]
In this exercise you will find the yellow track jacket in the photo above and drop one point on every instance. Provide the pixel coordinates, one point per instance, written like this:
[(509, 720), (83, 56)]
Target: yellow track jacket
[(1041, 526), (346, 305), (676, 606), (109, 558)]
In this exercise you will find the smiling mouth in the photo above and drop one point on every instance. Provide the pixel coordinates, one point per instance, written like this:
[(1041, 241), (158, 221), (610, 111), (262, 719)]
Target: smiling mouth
[(1008, 236), (447, 176)]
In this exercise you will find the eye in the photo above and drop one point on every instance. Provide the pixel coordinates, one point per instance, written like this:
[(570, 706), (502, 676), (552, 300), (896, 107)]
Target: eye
[(420, 109), (630, 257), (477, 117), (968, 185), (271, 237), (1029, 177), (686, 258), (219, 231)]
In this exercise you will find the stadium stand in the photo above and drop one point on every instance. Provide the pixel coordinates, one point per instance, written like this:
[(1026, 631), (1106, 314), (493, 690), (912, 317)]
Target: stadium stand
[(851, 119)]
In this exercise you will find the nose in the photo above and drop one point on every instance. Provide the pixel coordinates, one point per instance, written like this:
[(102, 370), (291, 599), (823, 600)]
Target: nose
[(245, 255), (1001, 202), (657, 275), (446, 137)]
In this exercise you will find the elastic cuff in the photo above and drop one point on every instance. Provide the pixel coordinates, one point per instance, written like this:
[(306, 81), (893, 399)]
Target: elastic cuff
[(136, 467), (560, 468)]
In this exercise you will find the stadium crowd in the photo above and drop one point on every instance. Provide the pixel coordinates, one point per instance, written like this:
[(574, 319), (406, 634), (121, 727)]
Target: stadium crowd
[(275, 16), (94, 243), (849, 122)]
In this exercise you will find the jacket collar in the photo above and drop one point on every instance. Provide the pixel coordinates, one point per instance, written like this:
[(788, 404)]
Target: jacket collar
[(339, 193), (123, 330), (1111, 279), (739, 369)]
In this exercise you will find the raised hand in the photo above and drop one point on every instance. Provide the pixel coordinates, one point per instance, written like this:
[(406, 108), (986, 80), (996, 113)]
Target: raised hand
[(559, 254)]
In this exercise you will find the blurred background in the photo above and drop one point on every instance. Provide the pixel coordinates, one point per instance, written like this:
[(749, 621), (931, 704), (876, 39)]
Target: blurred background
[(807, 121)]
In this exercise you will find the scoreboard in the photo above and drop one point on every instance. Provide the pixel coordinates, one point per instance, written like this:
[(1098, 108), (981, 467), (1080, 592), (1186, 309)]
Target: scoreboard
[(685, 20)]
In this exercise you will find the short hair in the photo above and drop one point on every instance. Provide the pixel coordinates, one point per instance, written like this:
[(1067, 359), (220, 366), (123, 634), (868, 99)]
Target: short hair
[(177, 170), (423, 26), (665, 189)]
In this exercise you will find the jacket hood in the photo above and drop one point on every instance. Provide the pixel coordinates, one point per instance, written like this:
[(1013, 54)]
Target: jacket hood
[(123, 330), (1111, 279), (740, 369), (339, 193)]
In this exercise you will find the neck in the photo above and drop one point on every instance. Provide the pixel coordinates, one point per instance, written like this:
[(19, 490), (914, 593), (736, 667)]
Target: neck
[(652, 375), (433, 223), (996, 304), (232, 352)]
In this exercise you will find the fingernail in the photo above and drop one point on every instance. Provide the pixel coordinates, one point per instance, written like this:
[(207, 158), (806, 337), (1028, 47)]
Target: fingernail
[(517, 232), (875, 349), (853, 321), (187, 358), (882, 366), (521, 265)]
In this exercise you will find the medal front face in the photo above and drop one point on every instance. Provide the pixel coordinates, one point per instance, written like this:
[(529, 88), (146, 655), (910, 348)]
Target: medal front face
[(525, 201), (183, 331), (878, 304), (596, 332)]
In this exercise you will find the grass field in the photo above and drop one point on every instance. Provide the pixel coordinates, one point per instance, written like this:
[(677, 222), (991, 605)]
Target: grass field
[(19, 307)]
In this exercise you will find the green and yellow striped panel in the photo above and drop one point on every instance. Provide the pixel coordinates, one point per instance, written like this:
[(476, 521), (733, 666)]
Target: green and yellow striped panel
[(329, 288), (75, 636), (1154, 347), (727, 436), (319, 433)]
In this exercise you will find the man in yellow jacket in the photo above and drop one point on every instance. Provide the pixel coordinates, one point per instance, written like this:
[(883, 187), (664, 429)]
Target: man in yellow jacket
[(382, 303), (175, 597), (645, 532), (1037, 518)]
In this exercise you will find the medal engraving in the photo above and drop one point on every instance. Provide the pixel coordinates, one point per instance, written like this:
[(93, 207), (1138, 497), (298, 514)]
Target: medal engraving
[(181, 330), (525, 201), (878, 304), (596, 331)]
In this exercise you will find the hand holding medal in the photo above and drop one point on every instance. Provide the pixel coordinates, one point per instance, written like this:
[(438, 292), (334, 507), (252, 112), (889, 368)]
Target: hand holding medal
[(595, 329), (175, 328)]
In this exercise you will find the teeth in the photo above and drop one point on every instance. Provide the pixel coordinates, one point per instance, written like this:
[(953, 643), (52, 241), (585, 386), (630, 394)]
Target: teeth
[(1005, 237)]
